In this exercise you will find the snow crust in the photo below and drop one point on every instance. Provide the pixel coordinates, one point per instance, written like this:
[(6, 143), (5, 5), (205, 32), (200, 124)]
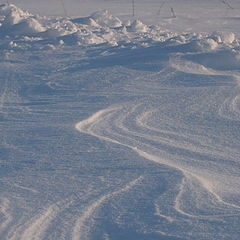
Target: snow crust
[(113, 127)]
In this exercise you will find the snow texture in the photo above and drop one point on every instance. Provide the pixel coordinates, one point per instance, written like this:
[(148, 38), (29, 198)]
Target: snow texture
[(120, 127)]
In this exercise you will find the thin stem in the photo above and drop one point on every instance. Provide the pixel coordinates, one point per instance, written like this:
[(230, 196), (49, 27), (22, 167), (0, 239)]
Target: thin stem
[(160, 8), (133, 8), (64, 8)]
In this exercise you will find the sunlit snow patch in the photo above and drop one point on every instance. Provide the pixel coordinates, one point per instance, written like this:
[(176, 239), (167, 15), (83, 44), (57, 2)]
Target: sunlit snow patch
[(98, 28)]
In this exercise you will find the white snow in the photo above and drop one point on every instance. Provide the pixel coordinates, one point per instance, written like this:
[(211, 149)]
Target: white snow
[(138, 26), (224, 37), (103, 18), (116, 126), (80, 230), (100, 27)]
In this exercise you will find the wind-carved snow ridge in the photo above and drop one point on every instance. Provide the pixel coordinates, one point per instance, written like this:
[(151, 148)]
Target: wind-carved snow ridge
[(35, 228), (82, 228), (10, 99), (3, 97), (231, 108), (38, 226), (5, 214), (204, 182)]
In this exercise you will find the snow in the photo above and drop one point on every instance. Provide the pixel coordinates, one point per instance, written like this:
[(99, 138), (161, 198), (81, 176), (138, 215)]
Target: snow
[(116, 126), (138, 26), (224, 37)]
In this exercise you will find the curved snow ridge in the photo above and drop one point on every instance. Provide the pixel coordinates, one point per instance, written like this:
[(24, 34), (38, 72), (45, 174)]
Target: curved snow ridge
[(190, 67), (235, 104), (3, 99), (230, 109), (81, 228), (129, 127), (189, 179), (19, 186), (5, 214), (35, 228), (185, 141), (9, 92), (87, 125), (120, 125)]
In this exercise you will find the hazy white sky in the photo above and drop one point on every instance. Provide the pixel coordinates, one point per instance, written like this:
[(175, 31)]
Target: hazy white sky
[(85, 7), (73, 7)]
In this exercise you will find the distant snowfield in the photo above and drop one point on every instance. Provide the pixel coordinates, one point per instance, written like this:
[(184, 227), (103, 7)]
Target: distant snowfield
[(120, 127)]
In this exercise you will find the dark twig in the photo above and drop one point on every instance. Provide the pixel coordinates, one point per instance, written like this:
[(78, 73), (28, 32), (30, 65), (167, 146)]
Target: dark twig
[(227, 4), (173, 13), (133, 8), (64, 8), (160, 8)]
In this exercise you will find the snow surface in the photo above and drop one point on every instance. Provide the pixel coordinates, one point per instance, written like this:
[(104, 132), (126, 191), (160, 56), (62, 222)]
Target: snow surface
[(120, 127)]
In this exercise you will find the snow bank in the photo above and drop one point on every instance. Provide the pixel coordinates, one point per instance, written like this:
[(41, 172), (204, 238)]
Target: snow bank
[(28, 26), (224, 37), (138, 26), (26, 30), (207, 44), (227, 59), (103, 18), (18, 22), (12, 15)]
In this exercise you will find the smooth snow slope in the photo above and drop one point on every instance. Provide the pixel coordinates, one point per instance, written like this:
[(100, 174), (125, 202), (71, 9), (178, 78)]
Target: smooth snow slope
[(116, 128)]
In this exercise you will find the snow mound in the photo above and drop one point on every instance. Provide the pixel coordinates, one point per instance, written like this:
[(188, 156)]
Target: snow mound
[(28, 26), (82, 38), (12, 15), (59, 28), (207, 44), (227, 59), (91, 22), (26, 31), (18, 22), (103, 18), (224, 37), (138, 26)]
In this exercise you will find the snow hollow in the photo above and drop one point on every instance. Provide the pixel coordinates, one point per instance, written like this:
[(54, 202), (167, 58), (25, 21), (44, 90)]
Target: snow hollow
[(116, 126)]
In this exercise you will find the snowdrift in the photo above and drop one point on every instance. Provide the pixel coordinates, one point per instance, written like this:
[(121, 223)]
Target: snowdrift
[(155, 149), (21, 30), (101, 27)]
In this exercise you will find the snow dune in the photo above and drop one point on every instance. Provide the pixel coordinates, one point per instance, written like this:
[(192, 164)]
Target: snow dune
[(79, 230), (175, 131), (155, 149), (36, 228), (185, 115)]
